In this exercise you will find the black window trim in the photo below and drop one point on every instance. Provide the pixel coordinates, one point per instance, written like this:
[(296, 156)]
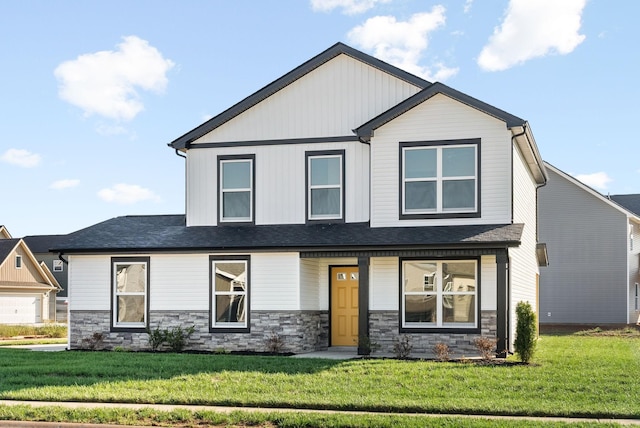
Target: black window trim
[(461, 330), (441, 215), (220, 221), (229, 329), (112, 322), (316, 153)]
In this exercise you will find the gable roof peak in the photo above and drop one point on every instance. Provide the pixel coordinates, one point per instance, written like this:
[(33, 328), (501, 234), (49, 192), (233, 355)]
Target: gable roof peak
[(339, 48)]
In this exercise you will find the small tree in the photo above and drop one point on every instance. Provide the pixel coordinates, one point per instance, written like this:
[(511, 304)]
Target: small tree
[(526, 331)]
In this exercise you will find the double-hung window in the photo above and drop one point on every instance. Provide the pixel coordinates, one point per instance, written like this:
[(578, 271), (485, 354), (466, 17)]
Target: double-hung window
[(439, 179), (325, 185), (229, 293), (130, 289), (236, 188), (439, 294)]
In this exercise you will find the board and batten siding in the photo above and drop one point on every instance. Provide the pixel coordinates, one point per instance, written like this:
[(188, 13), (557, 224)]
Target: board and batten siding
[(523, 263), (441, 118), (586, 281), (331, 100), (275, 279), (280, 193)]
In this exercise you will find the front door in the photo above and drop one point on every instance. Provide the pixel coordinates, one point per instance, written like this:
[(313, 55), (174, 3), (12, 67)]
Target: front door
[(344, 306)]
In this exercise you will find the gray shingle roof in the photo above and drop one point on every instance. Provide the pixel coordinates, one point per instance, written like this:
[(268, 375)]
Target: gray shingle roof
[(6, 246), (630, 202), (169, 233), (42, 243)]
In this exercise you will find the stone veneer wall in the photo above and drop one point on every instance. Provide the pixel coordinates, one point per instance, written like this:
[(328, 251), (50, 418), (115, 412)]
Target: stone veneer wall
[(384, 330), (300, 331)]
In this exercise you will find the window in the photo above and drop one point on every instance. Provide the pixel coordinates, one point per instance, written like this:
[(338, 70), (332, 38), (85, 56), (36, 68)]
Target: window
[(637, 297), (439, 179), (325, 185), (130, 285), (439, 294), (229, 293), (58, 266), (236, 188), (18, 262)]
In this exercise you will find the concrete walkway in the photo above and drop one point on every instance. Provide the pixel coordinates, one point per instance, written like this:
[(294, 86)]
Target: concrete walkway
[(222, 409)]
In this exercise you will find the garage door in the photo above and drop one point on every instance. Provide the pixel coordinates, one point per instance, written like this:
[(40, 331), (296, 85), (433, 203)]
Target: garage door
[(20, 309)]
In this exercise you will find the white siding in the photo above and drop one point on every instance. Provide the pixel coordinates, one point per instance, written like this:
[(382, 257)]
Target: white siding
[(179, 282), (634, 272), (309, 284), (275, 279), (442, 118), (89, 283), (489, 285), (331, 100), (523, 263), (384, 287), (280, 182)]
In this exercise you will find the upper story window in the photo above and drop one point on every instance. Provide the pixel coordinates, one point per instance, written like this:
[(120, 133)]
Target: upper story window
[(130, 289), (439, 179), (439, 294), (236, 188), (18, 262), (325, 185)]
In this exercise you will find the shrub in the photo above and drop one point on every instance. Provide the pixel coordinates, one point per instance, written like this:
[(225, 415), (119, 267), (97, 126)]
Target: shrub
[(156, 338), (443, 353), (177, 337), (274, 343), (93, 342), (367, 346), (526, 333), (403, 347), (486, 346)]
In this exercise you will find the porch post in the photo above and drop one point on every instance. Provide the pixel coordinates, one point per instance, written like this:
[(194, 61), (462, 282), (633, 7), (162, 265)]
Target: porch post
[(363, 303), (502, 316)]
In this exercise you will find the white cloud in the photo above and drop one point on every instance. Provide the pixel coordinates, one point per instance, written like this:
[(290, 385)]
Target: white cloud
[(467, 6), (533, 29), (64, 184), (402, 43), (23, 158), (598, 180), (106, 82), (127, 194), (349, 7)]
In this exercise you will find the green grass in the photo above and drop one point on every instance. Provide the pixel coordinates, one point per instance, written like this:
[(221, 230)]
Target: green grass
[(584, 376), (47, 331)]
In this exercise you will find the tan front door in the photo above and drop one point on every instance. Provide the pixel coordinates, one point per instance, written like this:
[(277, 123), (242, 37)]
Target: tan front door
[(344, 306)]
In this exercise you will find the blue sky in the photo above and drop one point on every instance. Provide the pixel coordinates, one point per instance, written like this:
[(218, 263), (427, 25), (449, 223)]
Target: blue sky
[(92, 92)]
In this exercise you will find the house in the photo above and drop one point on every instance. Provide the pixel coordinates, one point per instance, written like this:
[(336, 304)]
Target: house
[(27, 287), (593, 243), (39, 246), (346, 203)]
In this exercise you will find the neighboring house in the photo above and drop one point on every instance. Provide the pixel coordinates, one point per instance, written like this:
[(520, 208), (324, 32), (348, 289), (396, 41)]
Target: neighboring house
[(27, 287), (346, 202), (39, 246), (593, 245)]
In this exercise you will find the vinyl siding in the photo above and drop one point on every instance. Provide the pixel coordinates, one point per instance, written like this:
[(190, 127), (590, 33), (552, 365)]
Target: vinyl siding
[(523, 263), (280, 182), (587, 242), (275, 281), (179, 282), (385, 289), (489, 286), (89, 283), (441, 118), (331, 100), (27, 273), (634, 272), (309, 284)]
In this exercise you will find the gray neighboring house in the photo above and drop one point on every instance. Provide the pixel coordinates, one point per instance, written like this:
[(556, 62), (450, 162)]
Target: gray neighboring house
[(593, 244), (40, 245)]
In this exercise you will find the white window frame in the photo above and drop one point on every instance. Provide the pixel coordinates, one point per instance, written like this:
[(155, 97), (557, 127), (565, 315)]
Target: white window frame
[(439, 294), (116, 293), (439, 179), (637, 297), (58, 266), (18, 262), (214, 293), (311, 187), (249, 189)]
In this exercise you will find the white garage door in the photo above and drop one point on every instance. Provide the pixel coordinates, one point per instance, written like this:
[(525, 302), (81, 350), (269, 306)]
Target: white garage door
[(20, 309)]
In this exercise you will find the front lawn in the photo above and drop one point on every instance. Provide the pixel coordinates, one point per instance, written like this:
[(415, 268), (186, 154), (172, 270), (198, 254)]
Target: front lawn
[(571, 376)]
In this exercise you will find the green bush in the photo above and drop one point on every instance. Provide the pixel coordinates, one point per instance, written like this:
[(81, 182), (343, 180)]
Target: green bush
[(176, 338), (526, 331)]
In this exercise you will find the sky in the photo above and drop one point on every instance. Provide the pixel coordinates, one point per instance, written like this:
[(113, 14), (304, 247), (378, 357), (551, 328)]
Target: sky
[(93, 91)]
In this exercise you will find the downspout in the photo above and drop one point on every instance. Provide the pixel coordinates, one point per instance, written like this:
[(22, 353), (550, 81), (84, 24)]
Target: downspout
[(185, 180), (66, 262), (179, 154)]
